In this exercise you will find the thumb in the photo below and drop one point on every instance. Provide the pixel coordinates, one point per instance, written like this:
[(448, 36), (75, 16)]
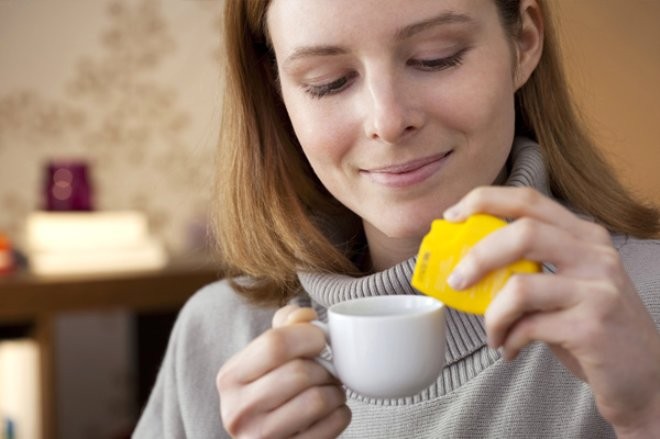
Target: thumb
[(291, 314)]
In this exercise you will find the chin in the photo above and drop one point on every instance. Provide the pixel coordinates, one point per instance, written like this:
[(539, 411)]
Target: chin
[(404, 230), (409, 223)]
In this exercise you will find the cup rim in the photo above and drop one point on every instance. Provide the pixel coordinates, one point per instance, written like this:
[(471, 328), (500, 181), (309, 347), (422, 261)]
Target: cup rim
[(434, 305)]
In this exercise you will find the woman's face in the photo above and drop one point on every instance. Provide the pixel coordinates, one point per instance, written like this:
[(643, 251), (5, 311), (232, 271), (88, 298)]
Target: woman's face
[(400, 107)]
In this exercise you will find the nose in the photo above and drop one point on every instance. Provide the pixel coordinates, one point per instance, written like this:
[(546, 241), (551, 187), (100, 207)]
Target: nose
[(392, 113)]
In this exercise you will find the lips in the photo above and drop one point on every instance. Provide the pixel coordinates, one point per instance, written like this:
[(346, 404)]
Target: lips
[(409, 173)]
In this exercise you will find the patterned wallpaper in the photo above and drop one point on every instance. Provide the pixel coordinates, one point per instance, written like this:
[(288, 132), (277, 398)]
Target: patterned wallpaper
[(131, 86)]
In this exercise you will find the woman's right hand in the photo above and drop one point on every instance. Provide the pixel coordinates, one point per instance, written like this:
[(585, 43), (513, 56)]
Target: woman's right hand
[(274, 389)]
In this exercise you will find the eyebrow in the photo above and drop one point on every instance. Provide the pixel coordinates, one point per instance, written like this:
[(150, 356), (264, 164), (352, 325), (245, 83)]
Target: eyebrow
[(445, 18), (310, 51)]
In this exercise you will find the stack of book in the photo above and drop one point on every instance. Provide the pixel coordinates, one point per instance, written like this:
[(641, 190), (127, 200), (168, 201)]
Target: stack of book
[(91, 242)]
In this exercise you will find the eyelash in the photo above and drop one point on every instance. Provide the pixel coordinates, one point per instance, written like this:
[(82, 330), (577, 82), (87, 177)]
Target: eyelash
[(435, 65), (432, 65), (330, 88)]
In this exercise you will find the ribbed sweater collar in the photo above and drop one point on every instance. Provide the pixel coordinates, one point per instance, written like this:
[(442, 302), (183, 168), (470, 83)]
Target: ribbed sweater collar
[(466, 332)]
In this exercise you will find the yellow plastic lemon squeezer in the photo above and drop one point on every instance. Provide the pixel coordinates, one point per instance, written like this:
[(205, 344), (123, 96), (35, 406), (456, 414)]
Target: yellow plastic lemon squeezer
[(441, 250)]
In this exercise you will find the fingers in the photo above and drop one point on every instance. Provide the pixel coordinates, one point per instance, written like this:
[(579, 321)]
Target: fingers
[(290, 314), (284, 383), (557, 329), (274, 348), (301, 315), (282, 314), (273, 388), (251, 404), (523, 239), (536, 326), (303, 411), (525, 296), (330, 426), (516, 202), (284, 342), (547, 308), (588, 312)]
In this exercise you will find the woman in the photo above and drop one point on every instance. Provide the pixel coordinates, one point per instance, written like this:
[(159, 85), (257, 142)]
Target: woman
[(348, 127)]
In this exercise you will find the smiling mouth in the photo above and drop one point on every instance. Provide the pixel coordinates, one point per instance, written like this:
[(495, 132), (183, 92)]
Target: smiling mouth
[(407, 174)]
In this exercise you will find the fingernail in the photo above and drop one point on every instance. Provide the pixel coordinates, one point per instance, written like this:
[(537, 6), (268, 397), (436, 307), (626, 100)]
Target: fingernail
[(452, 214), (456, 280)]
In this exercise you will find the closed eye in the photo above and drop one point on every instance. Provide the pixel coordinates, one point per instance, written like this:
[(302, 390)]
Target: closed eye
[(439, 63), (329, 88)]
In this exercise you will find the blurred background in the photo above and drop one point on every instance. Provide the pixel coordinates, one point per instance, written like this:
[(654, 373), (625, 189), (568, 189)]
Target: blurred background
[(129, 91), (126, 92)]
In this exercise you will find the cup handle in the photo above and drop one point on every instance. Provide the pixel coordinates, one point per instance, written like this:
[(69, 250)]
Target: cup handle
[(327, 364)]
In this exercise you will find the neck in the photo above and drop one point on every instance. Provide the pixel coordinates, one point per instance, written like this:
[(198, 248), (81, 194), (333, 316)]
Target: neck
[(385, 251)]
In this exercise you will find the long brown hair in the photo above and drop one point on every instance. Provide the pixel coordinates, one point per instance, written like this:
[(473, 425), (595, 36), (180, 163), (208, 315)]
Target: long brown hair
[(271, 211)]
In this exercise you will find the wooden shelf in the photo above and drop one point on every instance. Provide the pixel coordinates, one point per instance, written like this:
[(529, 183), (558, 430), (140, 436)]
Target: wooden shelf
[(24, 295)]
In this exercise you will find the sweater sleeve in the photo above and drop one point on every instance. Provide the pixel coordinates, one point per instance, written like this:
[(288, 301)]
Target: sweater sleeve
[(214, 325)]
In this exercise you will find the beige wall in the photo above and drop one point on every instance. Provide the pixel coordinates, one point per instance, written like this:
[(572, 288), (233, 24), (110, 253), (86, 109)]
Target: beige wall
[(612, 48)]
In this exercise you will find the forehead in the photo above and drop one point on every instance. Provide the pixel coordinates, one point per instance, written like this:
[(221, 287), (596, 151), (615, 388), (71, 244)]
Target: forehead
[(305, 21)]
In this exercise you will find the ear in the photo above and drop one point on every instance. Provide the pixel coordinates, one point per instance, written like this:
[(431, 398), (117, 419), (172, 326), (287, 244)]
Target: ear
[(529, 41)]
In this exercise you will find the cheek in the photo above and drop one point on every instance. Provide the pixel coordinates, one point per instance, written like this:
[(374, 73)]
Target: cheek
[(478, 101), (324, 134), (483, 105), (478, 110)]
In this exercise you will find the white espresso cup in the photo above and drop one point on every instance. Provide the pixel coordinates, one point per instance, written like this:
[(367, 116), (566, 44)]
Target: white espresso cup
[(386, 346)]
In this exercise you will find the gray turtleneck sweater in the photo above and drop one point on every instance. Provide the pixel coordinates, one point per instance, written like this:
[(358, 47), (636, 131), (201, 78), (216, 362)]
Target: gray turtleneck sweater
[(477, 395)]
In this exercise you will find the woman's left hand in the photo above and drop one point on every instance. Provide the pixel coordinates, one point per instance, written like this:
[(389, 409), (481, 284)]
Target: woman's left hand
[(588, 311)]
